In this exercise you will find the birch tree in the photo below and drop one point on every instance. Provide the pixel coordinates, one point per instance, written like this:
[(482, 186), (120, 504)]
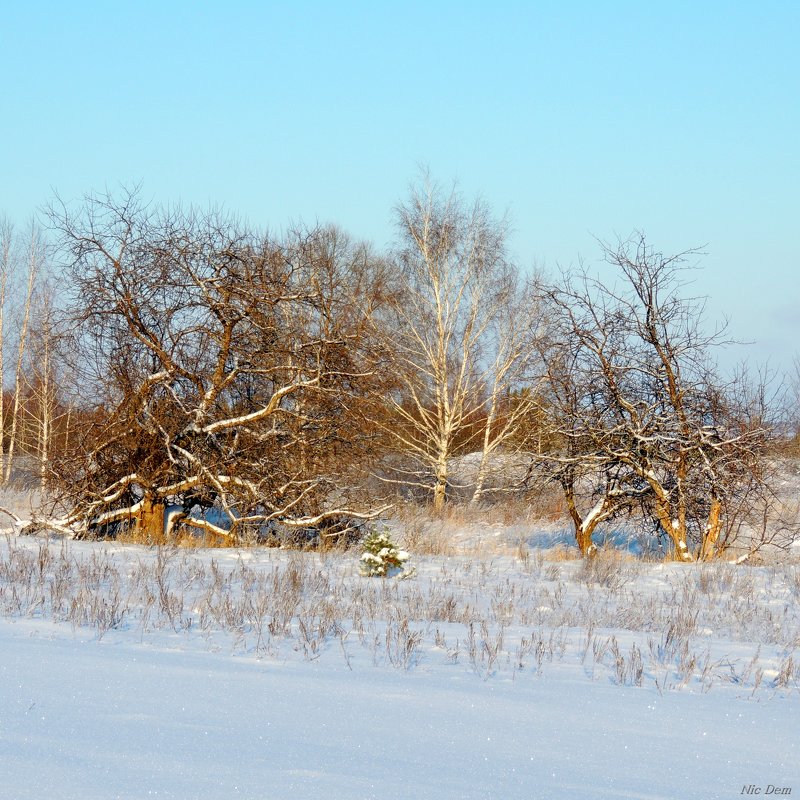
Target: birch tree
[(34, 261), (449, 260), (6, 268), (43, 413)]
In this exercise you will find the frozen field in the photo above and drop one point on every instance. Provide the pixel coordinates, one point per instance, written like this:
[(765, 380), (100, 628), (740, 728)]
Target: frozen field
[(130, 672)]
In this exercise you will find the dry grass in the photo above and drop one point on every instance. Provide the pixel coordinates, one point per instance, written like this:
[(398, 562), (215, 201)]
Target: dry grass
[(547, 505), (492, 618), (183, 537), (482, 531), (608, 568), (424, 534), (562, 553)]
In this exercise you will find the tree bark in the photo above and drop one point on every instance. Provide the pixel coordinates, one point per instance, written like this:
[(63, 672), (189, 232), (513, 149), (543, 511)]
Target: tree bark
[(150, 519), (440, 489), (712, 531)]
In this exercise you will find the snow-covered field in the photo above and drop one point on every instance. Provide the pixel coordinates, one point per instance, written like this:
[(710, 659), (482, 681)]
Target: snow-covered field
[(132, 672)]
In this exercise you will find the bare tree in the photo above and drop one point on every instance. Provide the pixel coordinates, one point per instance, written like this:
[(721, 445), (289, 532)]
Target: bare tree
[(793, 414), (219, 367), (645, 418), (453, 271), (6, 269), (512, 376), (578, 419), (43, 413), (35, 258)]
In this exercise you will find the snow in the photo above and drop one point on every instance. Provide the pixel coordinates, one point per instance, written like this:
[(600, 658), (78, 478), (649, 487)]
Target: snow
[(85, 720), (185, 710)]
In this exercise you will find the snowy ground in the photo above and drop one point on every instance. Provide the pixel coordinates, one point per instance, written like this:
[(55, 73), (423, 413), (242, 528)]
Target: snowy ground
[(131, 672)]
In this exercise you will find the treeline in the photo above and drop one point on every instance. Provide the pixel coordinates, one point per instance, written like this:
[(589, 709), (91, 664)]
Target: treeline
[(189, 371), (34, 409)]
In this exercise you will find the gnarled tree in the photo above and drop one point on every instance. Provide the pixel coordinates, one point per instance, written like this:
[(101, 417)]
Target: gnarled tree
[(644, 416), (222, 371)]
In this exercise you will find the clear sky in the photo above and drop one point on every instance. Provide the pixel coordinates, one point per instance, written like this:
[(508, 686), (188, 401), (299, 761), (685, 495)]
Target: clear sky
[(580, 119)]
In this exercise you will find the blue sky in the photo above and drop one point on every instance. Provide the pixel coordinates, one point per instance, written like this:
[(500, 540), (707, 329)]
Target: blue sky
[(579, 119)]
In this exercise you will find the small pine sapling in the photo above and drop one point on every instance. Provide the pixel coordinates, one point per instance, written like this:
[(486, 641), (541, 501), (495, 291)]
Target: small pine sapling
[(382, 558)]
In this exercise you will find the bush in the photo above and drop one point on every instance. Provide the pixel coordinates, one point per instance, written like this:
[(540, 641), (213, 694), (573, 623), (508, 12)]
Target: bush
[(381, 557)]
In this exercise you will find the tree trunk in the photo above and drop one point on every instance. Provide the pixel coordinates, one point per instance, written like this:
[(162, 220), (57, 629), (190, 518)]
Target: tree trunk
[(150, 519), (583, 536), (5, 270), (483, 467), (712, 531), (46, 414), (675, 528), (440, 489), (480, 480), (439, 494), (583, 528)]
